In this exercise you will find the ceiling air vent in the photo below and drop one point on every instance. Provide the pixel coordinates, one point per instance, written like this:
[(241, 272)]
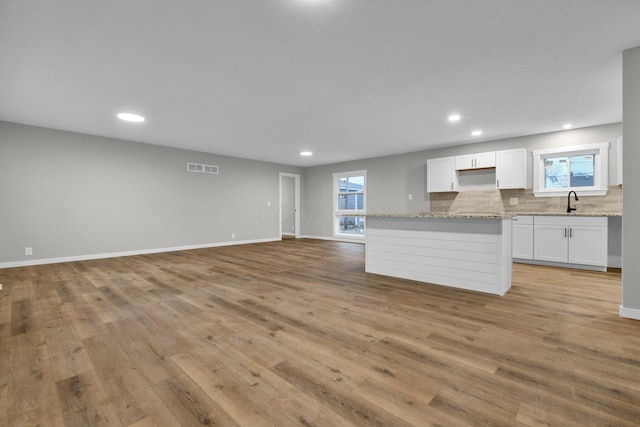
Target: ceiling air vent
[(197, 167)]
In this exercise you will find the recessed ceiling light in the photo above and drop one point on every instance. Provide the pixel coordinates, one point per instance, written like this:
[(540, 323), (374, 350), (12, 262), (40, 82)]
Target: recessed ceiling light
[(129, 117), (476, 133), (567, 126), (306, 153), (454, 117)]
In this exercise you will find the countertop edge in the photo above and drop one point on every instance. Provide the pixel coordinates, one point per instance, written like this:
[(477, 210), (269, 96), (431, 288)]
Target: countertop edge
[(470, 215), (443, 215)]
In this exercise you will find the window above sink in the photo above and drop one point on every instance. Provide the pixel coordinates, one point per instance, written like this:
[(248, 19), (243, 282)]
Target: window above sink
[(582, 168)]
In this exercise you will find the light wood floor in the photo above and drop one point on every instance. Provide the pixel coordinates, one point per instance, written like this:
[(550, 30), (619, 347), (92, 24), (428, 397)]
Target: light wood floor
[(294, 333)]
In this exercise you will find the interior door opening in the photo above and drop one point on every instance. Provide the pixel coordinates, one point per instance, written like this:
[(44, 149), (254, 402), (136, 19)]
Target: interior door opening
[(289, 205)]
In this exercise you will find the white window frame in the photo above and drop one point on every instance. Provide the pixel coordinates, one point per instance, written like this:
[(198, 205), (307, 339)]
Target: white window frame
[(347, 212), (600, 173)]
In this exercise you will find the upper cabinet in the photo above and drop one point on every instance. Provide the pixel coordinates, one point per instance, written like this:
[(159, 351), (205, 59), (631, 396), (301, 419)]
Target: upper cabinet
[(441, 176), (511, 169), (482, 171), (475, 161)]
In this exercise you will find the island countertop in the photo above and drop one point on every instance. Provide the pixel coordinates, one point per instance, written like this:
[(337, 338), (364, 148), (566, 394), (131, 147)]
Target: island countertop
[(446, 215)]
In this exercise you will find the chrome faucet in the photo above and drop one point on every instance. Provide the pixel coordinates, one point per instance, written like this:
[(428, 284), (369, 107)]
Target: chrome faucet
[(569, 208)]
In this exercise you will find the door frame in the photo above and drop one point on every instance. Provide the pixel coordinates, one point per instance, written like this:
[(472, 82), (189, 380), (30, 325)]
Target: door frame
[(296, 219)]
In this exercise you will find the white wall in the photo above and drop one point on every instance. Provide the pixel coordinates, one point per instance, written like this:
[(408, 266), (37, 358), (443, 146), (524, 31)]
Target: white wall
[(71, 195)]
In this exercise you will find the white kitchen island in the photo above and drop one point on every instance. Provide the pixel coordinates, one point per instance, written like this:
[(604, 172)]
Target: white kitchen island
[(467, 251)]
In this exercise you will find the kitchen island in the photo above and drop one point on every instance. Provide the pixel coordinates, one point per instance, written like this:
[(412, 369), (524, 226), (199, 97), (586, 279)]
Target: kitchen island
[(467, 251)]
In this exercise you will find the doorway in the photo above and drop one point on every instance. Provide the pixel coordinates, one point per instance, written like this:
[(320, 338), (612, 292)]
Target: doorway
[(289, 205)]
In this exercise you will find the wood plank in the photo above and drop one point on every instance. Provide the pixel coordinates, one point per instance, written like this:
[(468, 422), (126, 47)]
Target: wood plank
[(21, 317), (66, 351), (31, 392), (236, 396), (86, 322), (296, 333), (105, 309), (189, 404), (85, 403), (128, 389)]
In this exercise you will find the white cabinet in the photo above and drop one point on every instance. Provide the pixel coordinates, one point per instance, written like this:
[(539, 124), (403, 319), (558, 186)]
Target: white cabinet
[(551, 241), (475, 161), (522, 237), (481, 171), (511, 168), (588, 244), (574, 240), (441, 175)]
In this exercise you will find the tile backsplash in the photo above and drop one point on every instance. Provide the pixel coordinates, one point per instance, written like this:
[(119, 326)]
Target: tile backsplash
[(500, 201)]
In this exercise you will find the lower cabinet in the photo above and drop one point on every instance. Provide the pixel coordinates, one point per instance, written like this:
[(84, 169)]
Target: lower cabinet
[(562, 239), (522, 237)]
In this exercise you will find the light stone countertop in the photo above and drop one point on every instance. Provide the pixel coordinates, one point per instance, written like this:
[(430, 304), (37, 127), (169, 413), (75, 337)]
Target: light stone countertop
[(467, 215), (461, 215), (569, 214)]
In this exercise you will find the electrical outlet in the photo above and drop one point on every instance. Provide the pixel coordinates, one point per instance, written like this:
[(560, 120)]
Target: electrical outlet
[(268, 204), (410, 196), (233, 235), (28, 251), (513, 201)]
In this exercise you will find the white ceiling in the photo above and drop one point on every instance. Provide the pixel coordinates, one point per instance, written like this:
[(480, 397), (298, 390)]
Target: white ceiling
[(346, 79)]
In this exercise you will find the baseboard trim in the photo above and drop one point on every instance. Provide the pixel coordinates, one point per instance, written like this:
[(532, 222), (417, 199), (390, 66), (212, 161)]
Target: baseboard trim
[(43, 261), (614, 261), (560, 264), (334, 239), (629, 313)]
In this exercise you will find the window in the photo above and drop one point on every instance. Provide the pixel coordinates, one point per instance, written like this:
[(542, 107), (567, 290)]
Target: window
[(569, 171), (583, 169), (349, 203)]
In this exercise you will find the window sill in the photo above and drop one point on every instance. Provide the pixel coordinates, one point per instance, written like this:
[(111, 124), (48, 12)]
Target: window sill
[(353, 237), (564, 192)]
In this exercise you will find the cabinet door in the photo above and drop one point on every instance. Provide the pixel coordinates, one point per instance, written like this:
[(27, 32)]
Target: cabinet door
[(588, 245), (440, 175), (551, 242), (464, 162), (511, 168), (485, 160), (522, 241)]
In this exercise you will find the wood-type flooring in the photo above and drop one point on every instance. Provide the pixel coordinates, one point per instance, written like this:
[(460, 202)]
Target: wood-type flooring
[(294, 333)]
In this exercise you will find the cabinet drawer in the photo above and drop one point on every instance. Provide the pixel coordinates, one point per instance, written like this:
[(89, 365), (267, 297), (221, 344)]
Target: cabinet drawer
[(475, 161), (584, 221), (523, 219)]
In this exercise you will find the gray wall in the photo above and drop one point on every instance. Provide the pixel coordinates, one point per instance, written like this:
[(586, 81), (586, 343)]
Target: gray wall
[(67, 194), (389, 182), (631, 188), (391, 179)]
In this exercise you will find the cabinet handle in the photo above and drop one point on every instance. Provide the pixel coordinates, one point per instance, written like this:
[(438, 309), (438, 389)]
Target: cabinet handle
[(570, 232), (497, 183), (565, 232), (452, 185)]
